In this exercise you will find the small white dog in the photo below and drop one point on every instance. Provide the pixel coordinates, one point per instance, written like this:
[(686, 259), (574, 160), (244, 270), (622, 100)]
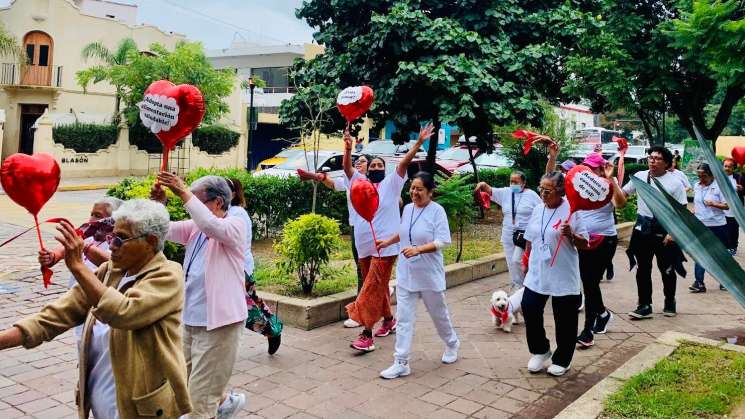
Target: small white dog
[(505, 309)]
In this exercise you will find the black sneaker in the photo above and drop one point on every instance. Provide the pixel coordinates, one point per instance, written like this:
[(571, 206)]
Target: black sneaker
[(721, 288), (609, 273), (601, 323), (274, 342), (585, 339), (697, 287), (669, 310), (642, 312)]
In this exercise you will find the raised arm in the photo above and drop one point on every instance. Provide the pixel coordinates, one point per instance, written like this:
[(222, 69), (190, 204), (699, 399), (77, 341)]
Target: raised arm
[(553, 154), (619, 197), (347, 161), (424, 134)]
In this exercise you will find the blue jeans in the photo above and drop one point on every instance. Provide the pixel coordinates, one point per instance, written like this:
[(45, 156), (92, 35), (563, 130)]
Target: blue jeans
[(722, 234)]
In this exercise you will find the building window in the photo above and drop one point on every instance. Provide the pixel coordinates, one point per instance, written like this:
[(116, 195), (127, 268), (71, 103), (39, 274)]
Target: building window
[(275, 77), (43, 55), (30, 53)]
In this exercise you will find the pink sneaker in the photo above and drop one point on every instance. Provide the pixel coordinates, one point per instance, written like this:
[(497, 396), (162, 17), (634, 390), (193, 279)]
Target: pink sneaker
[(386, 328), (363, 343)]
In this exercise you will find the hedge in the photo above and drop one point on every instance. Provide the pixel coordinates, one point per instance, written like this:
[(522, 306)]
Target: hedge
[(85, 138), (215, 139)]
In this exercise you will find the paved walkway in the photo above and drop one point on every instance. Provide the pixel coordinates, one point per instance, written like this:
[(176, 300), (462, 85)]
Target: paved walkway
[(315, 374)]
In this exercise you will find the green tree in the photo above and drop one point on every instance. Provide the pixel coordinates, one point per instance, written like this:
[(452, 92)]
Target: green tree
[(456, 197), (9, 45), (475, 63), (119, 57), (657, 55), (186, 64)]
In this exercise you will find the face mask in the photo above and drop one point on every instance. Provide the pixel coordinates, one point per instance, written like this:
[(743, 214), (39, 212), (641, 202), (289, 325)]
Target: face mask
[(516, 188), (376, 176)]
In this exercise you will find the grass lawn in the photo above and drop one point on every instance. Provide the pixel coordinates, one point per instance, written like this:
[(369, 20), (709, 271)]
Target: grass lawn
[(695, 381)]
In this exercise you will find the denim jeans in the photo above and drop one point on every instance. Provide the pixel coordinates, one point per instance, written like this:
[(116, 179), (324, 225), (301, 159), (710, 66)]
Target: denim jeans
[(722, 234)]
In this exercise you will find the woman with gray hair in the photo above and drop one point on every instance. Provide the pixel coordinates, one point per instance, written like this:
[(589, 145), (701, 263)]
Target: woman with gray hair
[(130, 364), (215, 306)]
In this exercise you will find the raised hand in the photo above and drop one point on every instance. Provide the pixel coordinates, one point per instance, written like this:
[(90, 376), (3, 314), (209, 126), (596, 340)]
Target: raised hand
[(73, 245), (172, 182), (158, 194), (608, 170), (426, 132), (46, 258)]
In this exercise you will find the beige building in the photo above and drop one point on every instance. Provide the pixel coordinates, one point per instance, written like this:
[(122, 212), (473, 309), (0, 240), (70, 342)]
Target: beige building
[(53, 34)]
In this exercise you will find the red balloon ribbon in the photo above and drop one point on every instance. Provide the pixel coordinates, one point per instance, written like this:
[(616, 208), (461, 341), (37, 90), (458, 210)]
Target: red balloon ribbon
[(623, 145), (530, 138)]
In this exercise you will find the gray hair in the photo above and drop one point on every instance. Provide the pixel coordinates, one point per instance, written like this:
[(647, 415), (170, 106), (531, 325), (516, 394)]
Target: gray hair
[(215, 187), (558, 179), (521, 174), (110, 202), (146, 217)]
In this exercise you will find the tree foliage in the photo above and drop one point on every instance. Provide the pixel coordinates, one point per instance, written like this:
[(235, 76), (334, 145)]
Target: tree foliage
[(9, 45), (655, 55), (475, 63)]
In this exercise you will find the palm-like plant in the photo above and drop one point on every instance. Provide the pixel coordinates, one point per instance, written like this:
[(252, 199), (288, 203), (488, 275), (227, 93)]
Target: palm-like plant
[(110, 59), (10, 47)]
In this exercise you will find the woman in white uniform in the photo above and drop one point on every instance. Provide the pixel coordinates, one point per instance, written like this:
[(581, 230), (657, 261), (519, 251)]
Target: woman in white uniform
[(420, 273), (517, 204)]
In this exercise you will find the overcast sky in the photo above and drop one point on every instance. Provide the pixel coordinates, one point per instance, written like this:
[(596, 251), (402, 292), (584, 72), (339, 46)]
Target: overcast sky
[(216, 22)]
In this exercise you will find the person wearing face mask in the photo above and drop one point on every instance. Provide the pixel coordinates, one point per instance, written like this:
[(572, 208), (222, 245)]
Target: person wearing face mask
[(340, 185), (373, 300), (420, 273), (517, 204), (737, 180), (601, 226), (708, 206)]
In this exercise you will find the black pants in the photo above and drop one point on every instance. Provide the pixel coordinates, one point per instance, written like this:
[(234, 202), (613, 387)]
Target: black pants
[(565, 321), (733, 233), (647, 247), (356, 257), (592, 264)]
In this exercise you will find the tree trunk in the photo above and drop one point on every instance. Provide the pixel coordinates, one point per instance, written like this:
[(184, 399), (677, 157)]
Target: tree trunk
[(460, 243), (117, 103), (315, 195), (475, 171), (432, 149)]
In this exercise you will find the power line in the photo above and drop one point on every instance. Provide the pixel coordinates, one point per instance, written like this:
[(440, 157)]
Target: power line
[(221, 21)]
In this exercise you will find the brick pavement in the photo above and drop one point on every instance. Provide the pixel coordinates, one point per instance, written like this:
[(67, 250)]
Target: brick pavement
[(315, 374)]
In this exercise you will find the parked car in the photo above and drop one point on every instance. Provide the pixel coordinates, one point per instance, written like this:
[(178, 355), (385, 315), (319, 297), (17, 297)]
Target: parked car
[(280, 157), (635, 154), (386, 148), (454, 157), (582, 150), (495, 160), (329, 162)]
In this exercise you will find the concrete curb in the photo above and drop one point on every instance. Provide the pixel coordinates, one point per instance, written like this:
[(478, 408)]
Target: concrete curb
[(590, 404), (71, 188)]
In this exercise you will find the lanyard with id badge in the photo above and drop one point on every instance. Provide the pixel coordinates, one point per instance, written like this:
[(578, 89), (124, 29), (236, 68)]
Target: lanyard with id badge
[(412, 222), (544, 250)]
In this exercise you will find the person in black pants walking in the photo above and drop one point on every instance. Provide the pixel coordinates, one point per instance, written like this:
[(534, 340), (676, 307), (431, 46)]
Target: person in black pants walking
[(650, 240), (546, 231), (600, 224)]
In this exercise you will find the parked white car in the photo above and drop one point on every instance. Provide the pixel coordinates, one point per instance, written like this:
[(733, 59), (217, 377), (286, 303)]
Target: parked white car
[(495, 160), (329, 162)]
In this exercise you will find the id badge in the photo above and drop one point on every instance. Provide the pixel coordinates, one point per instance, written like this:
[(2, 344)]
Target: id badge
[(545, 253)]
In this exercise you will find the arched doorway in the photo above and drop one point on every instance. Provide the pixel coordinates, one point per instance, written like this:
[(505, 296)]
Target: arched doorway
[(39, 47)]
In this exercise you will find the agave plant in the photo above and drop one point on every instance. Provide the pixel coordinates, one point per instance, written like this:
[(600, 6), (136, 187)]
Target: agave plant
[(691, 235)]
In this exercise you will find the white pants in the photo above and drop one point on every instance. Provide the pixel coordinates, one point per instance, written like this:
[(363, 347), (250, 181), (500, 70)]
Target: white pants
[(514, 258), (406, 302)]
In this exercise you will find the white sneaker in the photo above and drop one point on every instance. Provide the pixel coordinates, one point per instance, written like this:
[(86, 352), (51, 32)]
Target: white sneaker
[(398, 369), (538, 362), (231, 405), (582, 305), (557, 370), (351, 323), (451, 353)]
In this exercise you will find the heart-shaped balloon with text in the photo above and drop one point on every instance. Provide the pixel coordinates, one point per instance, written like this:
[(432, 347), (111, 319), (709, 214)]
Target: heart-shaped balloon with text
[(171, 112), (30, 181), (585, 190), (353, 102)]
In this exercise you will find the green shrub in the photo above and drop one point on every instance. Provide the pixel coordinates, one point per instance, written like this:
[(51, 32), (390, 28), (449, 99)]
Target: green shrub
[(85, 138), (305, 247), (456, 197), (215, 139), (496, 178), (627, 213), (630, 169)]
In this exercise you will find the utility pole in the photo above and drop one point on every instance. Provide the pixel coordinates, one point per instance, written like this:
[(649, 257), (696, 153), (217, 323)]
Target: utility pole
[(249, 138)]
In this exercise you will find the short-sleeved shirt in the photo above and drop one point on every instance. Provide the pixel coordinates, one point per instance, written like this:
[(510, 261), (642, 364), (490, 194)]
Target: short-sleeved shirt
[(427, 270), (387, 217), (599, 221), (683, 178), (670, 182), (728, 212), (709, 216), (340, 185), (543, 234), (525, 201)]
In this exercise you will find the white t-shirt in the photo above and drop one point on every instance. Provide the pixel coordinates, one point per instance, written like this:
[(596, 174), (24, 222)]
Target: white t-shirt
[(340, 185), (709, 216), (525, 201), (195, 300), (599, 221), (101, 385), (236, 211), (728, 212), (387, 218), (682, 177), (427, 270), (543, 234), (670, 182)]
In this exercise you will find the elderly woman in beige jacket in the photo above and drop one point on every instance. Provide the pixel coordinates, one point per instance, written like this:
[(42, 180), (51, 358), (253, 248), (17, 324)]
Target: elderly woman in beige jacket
[(131, 362)]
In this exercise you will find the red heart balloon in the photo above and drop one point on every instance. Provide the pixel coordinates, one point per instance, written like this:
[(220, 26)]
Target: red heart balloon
[(353, 102), (585, 190), (171, 112), (30, 180), (364, 199), (738, 155)]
